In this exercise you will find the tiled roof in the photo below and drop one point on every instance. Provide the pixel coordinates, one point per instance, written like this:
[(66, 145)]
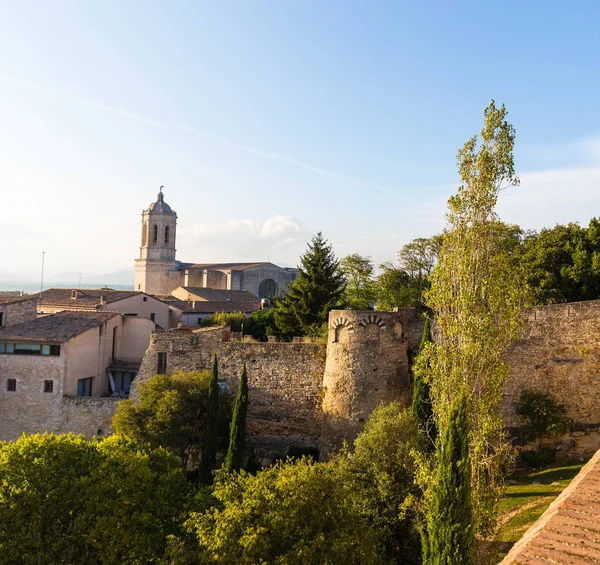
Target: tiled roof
[(86, 297), (56, 327), (216, 295), (14, 299), (569, 531), (204, 307), (228, 266)]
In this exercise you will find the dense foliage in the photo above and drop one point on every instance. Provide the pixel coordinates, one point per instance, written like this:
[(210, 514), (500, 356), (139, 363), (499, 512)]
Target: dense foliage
[(360, 291), (318, 289), (236, 320), (476, 298), (422, 408), (543, 416), (292, 513), (170, 414), (66, 500), (380, 473), (449, 538)]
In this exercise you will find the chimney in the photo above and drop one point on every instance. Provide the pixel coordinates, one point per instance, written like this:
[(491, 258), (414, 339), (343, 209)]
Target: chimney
[(74, 294), (102, 302)]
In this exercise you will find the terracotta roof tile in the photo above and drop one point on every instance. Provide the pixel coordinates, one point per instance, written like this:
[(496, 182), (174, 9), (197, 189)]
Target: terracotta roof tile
[(216, 295), (569, 531), (15, 299), (56, 327), (205, 307), (86, 297)]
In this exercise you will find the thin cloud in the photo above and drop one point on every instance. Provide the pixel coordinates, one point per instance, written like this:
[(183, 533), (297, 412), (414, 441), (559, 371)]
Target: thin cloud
[(201, 133)]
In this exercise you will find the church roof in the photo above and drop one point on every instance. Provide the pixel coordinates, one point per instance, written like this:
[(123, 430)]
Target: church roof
[(229, 266), (217, 295), (205, 307), (160, 206), (56, 327)]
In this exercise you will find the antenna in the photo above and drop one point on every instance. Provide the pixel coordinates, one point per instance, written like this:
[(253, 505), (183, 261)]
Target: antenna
[(42, 279)]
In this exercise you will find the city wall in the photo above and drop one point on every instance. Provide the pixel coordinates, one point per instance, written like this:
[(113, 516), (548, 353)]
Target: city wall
[(285, 383)]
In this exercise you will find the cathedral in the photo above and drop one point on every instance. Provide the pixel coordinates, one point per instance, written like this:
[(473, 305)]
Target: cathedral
[(157, 271)]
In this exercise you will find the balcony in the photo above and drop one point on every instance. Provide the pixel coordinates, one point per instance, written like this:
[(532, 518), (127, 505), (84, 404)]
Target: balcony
[(128, 364)]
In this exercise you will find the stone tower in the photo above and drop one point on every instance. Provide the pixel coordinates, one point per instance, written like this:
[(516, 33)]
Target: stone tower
[(156, 270), (367, 365)]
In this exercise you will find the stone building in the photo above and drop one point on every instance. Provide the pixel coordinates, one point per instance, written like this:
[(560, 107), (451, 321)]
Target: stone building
[(17, 309), (157, 271), (128, 303), (47, 360)]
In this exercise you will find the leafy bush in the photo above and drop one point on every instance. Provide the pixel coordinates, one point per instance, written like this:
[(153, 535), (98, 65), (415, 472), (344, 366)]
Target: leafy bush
[(538, 457), (66, 500), (544, 416), (234, 319), (170, 414)]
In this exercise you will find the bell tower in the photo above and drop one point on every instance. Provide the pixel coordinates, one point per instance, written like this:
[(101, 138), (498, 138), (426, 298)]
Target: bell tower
[(156, 270)]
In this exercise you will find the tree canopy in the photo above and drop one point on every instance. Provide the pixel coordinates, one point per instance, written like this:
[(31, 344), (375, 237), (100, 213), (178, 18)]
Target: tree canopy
[(360, 282), (66, 500), (170, 413), (318, 289)]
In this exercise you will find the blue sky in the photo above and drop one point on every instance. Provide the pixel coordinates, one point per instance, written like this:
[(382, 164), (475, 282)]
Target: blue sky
[(270, 120)]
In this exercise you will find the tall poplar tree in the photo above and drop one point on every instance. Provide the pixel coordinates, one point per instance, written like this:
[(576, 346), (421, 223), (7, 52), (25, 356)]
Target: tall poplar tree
[(476, 299), (210, 437), (237, 435), (450, 538), (318, 289)]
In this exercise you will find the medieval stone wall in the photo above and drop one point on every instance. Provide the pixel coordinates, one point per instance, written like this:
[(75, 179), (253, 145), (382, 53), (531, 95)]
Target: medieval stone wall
[(559, 353), (285, 383)]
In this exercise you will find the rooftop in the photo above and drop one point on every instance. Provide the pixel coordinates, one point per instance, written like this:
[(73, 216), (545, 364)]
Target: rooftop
[(216, 295), (569, 530), (206, 307), (56, 327), (15, 299), (228, 266), (85, 298), (160, 206)]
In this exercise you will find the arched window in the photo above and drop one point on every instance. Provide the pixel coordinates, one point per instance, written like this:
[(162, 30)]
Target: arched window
[(155, 234), (167, 235), (268, 289)]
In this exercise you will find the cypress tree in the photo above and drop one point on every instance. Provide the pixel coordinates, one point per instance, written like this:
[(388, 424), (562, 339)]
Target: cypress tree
[(318, 289), (422, 409), (237, 435), (449, 513), (210, 437)]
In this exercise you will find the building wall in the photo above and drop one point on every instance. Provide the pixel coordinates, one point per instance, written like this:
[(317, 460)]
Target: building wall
[(89, 354), (285, 383), (136, 305), (250, 279), (156, 276), (18, 312), (135, 337)]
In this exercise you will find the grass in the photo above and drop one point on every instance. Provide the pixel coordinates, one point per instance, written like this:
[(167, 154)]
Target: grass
[(524, 502)]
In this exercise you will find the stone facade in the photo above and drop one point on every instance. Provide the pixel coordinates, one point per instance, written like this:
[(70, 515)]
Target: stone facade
[(16, 310)]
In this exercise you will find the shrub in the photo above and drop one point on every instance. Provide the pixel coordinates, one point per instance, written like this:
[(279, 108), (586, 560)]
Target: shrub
[(544, 416), (538, 458), (236, 320)]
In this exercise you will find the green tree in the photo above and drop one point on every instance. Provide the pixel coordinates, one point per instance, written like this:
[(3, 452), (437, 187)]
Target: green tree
[(318, 289), (476, 298), (450, 532), (66, 500), (237, 320), (262, 324), (417, 258), (422, 409), (170, 413), (360, 281), (294, 512), (380, 477), (562, 264), (237, 436), (393, 288), (210, 436)]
